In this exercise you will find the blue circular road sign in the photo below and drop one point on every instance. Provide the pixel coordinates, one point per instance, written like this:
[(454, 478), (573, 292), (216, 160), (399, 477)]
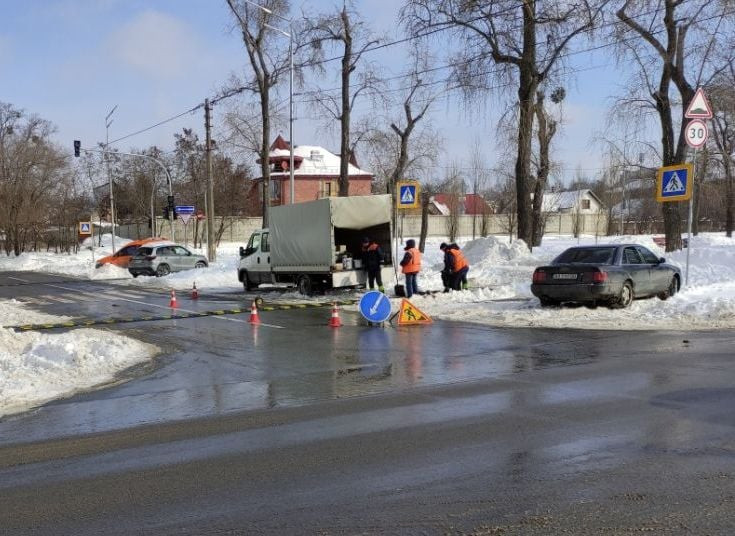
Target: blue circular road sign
[(375, 306)]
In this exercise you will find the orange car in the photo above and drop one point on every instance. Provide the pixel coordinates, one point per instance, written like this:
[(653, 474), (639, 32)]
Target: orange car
[(123, 255)]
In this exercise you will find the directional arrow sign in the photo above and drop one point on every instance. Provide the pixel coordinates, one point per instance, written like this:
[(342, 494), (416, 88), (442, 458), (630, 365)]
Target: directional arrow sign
[(375, 306)]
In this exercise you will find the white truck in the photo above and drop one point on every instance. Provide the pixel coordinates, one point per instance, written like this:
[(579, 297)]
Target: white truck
[(317, 245)]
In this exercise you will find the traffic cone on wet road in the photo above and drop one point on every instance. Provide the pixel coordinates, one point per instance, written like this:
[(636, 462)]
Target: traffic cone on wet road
[(335, 322), (194, 292), (254, 318), (173, 303)]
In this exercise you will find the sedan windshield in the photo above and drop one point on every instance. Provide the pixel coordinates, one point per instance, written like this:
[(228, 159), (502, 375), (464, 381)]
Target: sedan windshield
[(586, 256)]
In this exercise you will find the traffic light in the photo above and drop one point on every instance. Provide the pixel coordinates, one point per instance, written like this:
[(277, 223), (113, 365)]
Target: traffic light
[(77, 147), (165, 213)]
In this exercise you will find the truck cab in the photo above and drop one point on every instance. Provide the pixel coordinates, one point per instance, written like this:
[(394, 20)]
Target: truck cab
[(255, 260)]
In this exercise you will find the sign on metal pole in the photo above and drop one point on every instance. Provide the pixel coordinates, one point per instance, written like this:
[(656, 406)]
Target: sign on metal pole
[(674, 183), (184, 209), (408, 194), (85, 228), (696, 133), (699, 107)]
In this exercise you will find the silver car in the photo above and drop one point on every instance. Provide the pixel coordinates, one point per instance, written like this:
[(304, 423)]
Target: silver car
[(162, 259)]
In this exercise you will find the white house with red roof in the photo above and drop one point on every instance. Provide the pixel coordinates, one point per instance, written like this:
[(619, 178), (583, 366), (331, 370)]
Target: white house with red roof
[(316, 174)]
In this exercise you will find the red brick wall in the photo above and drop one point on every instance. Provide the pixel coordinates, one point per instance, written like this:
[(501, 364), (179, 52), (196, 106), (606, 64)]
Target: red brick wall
[(311, 189)]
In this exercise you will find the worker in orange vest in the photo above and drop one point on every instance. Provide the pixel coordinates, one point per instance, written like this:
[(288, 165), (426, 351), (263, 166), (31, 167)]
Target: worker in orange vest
[(454, 274), (411, 266)]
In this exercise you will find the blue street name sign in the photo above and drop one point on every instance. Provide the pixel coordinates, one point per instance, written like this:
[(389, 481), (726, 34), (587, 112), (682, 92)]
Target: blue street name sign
[(375, 306), (184, 209), (408, 194), (674, 183)]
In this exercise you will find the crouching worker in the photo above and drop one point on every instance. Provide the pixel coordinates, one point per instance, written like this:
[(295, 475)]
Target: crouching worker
[(454, 274), (372, 256), (411, 266)]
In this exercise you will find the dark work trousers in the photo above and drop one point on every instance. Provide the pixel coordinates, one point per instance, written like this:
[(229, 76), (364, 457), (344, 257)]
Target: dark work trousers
[(412, 284), (373, 275)]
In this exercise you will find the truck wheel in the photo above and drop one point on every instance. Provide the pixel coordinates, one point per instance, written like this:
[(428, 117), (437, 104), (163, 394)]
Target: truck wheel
[(303, 283), (247, 285)]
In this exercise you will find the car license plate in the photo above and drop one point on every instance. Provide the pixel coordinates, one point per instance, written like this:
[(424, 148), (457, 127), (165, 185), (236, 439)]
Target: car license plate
[(565, 276)]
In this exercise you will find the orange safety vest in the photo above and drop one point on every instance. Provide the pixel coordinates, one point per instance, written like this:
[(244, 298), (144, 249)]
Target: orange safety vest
[(414, 265), (459, 260)]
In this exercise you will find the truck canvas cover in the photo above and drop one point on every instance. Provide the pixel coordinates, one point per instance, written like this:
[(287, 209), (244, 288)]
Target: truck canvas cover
[(304, 232)]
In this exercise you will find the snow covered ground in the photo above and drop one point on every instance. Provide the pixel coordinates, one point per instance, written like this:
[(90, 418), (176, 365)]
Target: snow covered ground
[(500, 275), (36, 367)]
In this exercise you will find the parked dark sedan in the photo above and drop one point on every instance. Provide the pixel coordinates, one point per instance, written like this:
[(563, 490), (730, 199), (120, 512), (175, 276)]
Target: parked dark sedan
[(613, 275)]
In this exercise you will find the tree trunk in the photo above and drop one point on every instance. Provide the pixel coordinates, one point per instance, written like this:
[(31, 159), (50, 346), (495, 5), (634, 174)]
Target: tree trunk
[(528, 84), (265, 169), (344, 150), (424, 220)]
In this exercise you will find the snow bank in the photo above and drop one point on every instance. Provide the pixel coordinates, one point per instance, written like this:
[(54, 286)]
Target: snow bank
[(500, 275), (36, 368)]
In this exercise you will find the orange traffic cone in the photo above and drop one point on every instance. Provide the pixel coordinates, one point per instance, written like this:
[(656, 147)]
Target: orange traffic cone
[(173, 303), (335, 322), (254, 318), (194, 292)]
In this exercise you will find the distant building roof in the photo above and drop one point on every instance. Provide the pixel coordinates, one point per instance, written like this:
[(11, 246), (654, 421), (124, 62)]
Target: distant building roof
[(309, 160), (560, 201)]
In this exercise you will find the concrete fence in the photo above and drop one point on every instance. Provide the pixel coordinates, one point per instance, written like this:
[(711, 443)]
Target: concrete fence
[(409, 226)]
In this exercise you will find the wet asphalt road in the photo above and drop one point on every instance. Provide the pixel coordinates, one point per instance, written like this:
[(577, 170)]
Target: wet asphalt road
[(443, 429)]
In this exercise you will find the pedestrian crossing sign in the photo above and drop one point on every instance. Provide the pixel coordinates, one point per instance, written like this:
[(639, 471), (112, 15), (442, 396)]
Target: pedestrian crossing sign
[(410, 314), (408, 194), (674, 183), (85, 228)]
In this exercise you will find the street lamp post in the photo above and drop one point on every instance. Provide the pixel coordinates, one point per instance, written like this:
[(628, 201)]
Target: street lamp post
[(288, 34), (108, 122)]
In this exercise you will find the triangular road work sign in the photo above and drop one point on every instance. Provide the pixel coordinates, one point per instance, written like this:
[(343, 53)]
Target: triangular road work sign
[(699, 108), (410, 314)]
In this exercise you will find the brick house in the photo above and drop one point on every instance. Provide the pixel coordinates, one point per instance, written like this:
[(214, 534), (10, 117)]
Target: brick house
[(316, 174)]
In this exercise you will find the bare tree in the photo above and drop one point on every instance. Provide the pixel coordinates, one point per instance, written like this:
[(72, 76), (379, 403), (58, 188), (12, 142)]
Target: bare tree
[(722, 96), (676, 45), (32, 172), (492, 28), (269, 69), (346, 30), (546, 127)]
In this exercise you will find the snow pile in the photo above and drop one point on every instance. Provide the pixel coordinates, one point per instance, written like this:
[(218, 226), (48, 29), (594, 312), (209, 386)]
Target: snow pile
[(504, 297), (36, 367), (500, 278)]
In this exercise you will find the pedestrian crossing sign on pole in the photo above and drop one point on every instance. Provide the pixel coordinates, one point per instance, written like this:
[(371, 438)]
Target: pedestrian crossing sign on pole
[(674, 183), (85, 228), (410, 314), (408, 194)]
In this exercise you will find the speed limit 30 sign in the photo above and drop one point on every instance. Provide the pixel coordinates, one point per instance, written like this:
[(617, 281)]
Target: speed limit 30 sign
[(696, 133)]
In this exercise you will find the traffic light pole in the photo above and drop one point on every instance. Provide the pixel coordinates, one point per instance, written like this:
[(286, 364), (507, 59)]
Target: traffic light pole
[(156, 160)]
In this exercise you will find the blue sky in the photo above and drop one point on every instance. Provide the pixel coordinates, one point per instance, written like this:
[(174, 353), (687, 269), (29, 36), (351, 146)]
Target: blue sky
[(71, 61)]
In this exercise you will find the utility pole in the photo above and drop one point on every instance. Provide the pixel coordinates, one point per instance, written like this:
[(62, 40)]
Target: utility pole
[(211, 249), (108, 122)]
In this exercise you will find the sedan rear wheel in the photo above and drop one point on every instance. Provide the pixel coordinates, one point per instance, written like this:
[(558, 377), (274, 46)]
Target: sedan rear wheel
[(626, 296), (163, 269)]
